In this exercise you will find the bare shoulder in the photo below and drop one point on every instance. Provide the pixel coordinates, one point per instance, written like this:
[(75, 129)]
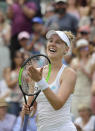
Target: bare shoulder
[(69, 70), (69, 73)]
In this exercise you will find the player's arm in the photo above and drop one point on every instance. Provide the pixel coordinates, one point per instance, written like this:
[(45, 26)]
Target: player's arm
[(67, 85)]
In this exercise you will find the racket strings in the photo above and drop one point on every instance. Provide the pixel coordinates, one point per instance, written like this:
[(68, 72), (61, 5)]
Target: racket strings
[(27, 83)]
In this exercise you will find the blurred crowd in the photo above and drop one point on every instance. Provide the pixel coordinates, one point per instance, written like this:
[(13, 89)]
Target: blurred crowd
[(23, 26)]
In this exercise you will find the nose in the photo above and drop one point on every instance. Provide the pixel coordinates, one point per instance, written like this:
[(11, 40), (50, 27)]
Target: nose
[(53, 43)]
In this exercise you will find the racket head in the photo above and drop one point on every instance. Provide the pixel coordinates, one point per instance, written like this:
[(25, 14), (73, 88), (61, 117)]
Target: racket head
[(26, 84)]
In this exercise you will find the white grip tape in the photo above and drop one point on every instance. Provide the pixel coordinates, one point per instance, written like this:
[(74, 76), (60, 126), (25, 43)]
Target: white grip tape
[(42, 84)]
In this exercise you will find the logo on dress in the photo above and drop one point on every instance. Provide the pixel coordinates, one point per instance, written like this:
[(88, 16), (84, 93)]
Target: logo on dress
[(53, 87)]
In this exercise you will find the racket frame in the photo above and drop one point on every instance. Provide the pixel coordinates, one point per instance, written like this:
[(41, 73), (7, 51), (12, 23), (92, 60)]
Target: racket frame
[(20, 75)]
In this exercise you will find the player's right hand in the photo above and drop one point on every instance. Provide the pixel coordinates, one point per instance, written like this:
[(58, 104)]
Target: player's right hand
[(26, 109)]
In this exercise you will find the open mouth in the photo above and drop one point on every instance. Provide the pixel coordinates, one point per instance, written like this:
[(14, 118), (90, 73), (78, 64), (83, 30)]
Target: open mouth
[(52, 50)]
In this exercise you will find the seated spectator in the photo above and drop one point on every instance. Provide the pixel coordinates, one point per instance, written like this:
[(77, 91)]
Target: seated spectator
[(86, 121), (7, 121)]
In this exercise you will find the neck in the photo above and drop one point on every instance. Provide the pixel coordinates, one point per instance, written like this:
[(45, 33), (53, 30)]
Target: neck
[(62, 15), (84, 57), (71, 6), (85, 120), (56, 64)]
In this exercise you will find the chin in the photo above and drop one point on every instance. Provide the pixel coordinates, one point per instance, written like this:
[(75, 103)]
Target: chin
[(53, 57)]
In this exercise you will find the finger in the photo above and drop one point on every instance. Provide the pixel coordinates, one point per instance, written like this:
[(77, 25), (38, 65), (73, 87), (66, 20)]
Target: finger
[(30, 68), (31, 108), (41, 70), (25, 107), (30, 75)]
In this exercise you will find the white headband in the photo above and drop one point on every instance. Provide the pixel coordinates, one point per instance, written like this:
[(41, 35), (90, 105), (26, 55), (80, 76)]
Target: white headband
[(61, 34)]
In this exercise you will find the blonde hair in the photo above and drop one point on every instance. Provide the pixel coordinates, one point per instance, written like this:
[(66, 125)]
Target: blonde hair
[(70, 35)]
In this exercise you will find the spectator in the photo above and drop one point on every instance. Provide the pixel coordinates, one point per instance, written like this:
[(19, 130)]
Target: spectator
[(86, 120), (93, 92), (84, 7), (82, 92), (4, 41), (83, 32), (16, 95), (73, 8), (23, 38), (92, 22), (37, 38), (62, 20), (7, 121), (49, 12), (38, 12), (5, 30), (93, 84), (4, 90), (20, 13)]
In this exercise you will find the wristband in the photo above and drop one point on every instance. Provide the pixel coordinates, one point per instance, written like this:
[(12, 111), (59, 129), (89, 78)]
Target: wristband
[(42, 84)]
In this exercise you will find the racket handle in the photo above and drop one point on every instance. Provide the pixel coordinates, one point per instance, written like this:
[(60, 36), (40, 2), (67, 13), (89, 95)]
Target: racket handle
[(25, 122)]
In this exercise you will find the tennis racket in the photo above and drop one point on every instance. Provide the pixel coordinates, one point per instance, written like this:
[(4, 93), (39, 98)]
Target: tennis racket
[(26, 84)]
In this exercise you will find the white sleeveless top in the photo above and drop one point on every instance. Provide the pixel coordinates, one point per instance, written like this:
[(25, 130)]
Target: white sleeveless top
[(53, 120)]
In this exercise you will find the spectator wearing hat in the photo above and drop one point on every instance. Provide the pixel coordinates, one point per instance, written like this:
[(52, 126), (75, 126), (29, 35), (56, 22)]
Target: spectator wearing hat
[(7, 121), (86, 120), (20, 12), (23, 38), (62, 20), (82, 64), (37, 38)]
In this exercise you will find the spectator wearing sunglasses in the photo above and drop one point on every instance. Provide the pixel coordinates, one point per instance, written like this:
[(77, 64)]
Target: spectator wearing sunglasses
[(83, 32)]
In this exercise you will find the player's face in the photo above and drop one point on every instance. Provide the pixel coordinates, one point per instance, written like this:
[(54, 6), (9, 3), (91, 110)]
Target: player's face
[(56, 48)]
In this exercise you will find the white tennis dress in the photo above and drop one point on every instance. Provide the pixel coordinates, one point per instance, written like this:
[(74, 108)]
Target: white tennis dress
[(50, 119)]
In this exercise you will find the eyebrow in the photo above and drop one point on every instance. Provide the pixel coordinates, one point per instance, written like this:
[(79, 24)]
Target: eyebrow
[(56, 40)]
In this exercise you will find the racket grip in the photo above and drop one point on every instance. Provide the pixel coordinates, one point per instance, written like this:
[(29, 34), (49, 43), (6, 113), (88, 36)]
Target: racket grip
[(26, 118)]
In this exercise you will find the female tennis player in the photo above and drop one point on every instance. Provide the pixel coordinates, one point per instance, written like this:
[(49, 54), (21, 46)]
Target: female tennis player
[(53, 103)]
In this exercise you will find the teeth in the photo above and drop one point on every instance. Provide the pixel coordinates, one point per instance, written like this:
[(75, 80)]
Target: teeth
[(51, 49)]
